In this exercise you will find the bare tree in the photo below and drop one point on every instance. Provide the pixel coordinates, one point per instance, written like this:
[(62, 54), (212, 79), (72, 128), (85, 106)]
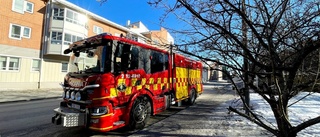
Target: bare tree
[(282, 47)]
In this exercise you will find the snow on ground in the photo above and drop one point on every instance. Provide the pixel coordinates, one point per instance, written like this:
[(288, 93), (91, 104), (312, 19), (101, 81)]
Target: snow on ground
[(299, 112)]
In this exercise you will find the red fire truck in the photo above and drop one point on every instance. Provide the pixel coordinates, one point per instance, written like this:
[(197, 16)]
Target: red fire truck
[(115, 82)]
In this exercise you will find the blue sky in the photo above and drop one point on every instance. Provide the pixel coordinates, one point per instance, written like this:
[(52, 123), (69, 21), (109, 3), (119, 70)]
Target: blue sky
[(119, 11)]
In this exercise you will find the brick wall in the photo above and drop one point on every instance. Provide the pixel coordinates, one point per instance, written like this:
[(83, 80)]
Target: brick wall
[(106, 28), (32, 20)]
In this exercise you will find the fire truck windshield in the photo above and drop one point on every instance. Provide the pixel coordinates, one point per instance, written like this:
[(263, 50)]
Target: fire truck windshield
[(88, 61)]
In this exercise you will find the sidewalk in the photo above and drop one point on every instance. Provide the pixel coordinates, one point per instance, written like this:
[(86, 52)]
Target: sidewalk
[(14, 95), (11, 95)]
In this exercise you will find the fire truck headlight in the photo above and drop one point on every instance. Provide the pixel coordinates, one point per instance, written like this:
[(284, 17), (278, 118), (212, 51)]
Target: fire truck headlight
[(73, 94), (68, 94), (99, 111), (78, 96)]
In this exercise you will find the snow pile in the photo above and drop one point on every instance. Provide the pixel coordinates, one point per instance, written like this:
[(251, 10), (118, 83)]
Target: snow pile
[(299, 112)]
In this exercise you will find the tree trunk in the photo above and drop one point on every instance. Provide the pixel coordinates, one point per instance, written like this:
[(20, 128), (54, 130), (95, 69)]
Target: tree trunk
[(281, 115)]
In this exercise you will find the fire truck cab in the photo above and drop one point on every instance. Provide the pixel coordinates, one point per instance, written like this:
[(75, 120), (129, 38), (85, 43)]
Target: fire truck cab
[(115, 82)]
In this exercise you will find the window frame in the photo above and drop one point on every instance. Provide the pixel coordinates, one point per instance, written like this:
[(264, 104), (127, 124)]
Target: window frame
[(22, 30), (3, 68), (11, 34), (76, 17), (59, 12), (62, 69), (95, 28), (38, 68), (29, 34), (25, 6), (14, 2), (56, 36), (73, 38), (7, 64)]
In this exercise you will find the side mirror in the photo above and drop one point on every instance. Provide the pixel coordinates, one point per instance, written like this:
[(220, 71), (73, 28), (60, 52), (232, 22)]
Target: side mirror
[(67, 51)]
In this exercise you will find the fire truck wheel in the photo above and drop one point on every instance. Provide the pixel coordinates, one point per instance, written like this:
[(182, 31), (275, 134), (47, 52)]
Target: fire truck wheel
[(168, 101), (140, 113), (192, 97)]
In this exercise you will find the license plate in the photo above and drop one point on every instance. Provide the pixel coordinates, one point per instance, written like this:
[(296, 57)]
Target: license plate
[(76, 106)]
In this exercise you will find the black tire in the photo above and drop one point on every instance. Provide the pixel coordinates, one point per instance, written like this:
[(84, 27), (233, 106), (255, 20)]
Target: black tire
[(192, 97), (168, 101), (140, 113)]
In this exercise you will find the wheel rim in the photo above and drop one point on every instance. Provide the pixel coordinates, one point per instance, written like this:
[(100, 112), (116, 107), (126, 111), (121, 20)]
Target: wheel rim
[(140, 113), (193, 97)]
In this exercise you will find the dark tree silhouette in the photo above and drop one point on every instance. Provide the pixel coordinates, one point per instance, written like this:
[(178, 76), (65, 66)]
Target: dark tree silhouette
[(278, 38)]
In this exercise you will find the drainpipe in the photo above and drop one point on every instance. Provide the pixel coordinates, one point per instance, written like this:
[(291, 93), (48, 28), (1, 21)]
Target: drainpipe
[(44, 42)]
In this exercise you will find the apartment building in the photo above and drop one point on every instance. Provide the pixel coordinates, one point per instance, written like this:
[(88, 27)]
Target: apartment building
[(160, 37), (20, 42), (34, 34), (64, 24)]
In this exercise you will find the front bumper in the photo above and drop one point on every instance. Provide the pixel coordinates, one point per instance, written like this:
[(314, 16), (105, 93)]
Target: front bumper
[(69, 117)]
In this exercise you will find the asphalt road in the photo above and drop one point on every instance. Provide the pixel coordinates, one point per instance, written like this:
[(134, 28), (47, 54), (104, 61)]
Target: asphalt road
[(33, 118)]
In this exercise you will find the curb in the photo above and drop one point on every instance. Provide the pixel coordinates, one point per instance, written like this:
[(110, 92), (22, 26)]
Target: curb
[(32, 99)]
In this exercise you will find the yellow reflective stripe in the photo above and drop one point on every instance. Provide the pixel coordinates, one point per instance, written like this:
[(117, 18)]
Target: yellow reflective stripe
[(113, 92), (159, 81), (182, 98), (155, 87), (128, 90), (139, 87), (106, 128), (143, 81), (106, 115), (102, 98), (133, 81), (151, 81), (147, 86)]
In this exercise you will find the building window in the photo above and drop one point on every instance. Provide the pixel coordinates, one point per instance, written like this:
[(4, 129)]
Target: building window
[(21, 6), (56, 37), (9, 63), (76, 18), (69, 38), (97, 30), (28, 7), (18, 6), (3, 63), (36, 65), (134, 38), (17, 31), (64, 67), (26, 32), (58, 14)]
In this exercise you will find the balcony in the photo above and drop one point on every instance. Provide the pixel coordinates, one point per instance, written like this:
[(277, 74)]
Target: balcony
[(56, 48), (62, 34)]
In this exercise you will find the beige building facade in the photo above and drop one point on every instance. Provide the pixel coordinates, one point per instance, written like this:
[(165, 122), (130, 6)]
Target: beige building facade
[(34, 34), (20, 42), (161, 38)]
